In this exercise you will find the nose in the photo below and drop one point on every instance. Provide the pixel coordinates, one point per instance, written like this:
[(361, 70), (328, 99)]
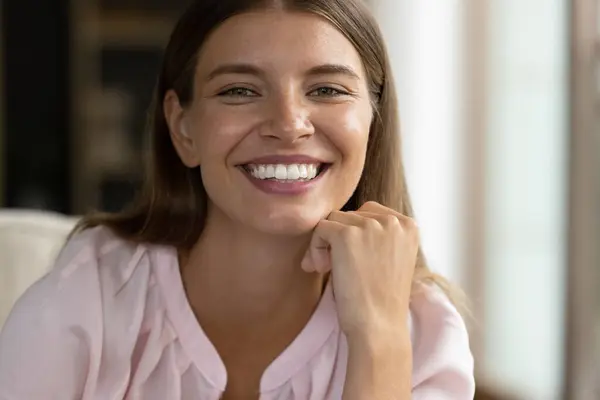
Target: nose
[(290, 119)]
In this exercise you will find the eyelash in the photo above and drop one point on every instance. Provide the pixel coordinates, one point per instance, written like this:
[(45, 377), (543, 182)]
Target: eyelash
[(336, 92), (235, 92), (232, 92)]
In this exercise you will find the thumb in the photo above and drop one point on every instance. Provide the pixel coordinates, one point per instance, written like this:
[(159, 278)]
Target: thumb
[(317, 258), (318, 255)]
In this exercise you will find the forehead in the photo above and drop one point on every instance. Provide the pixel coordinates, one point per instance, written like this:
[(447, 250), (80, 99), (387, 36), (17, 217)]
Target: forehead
[(278, 39)]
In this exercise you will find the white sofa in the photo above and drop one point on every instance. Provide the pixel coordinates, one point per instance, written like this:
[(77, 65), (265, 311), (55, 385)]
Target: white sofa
[(29, 242)]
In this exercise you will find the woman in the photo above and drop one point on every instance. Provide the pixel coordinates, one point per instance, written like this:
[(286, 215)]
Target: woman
[(272, 254)]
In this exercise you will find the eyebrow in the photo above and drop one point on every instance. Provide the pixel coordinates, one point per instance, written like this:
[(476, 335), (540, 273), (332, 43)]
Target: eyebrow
[(249, 69), (238, 69), (333, 69)]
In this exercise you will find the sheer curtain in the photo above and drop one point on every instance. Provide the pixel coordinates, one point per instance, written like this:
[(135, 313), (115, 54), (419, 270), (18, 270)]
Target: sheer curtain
[(483, 87), (425, 44)]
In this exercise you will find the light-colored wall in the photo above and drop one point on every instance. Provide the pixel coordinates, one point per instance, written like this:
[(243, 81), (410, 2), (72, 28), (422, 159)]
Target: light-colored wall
[(484, 106)]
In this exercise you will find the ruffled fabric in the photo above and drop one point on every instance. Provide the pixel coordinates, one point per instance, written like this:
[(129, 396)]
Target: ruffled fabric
[(113, 320)]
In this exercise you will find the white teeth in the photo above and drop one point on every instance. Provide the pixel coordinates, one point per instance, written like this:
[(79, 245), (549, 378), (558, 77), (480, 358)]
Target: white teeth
[(284, 172), (303, 171), (281, 172), (293, 172), (269, 172), (262, 171)]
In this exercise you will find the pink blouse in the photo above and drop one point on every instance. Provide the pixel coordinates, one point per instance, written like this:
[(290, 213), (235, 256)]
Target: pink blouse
[(111, 321)]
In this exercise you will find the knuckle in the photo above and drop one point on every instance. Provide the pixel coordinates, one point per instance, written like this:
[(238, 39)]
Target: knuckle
[(392, 221), (410, 229), (370, 205), (410, 225), (350, 232), (371, 223)]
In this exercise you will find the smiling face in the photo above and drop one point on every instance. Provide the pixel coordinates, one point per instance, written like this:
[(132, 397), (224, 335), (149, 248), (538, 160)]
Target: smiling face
[(279, 121)]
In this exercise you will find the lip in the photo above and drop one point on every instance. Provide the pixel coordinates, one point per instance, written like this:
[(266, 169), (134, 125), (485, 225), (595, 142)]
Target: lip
[(285, 159), (274, 187)]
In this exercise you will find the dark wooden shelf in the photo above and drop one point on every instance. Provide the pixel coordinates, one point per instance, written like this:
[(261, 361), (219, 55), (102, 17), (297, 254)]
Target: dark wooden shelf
[(117, 47), (128, 29)]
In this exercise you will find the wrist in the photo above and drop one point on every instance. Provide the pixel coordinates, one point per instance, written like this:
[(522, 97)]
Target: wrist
[(379, 367), (372, 336), (381, 346)]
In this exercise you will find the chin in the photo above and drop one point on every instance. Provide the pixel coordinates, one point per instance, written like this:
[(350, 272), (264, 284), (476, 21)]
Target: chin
[(288, 227), (288, 223)]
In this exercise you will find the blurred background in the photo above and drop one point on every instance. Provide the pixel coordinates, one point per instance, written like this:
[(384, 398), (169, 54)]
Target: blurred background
[(500, 104)]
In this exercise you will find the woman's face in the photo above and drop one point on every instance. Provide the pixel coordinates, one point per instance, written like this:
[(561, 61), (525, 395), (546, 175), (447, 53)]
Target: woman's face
[(279, 122)]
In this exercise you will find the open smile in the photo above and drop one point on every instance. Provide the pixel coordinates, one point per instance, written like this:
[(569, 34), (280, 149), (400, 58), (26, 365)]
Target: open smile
[(285, 179), (286, 173)]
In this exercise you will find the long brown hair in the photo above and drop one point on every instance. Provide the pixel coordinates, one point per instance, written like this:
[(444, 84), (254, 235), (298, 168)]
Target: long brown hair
[(171, 208)]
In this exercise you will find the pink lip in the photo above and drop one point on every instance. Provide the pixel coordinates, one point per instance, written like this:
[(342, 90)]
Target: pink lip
[(271, 186), (282, 159)]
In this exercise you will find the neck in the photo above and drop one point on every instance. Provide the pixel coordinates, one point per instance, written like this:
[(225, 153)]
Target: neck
[(234, 275)]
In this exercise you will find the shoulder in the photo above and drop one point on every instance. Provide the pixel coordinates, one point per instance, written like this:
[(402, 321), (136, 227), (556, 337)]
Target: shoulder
[(442, 359), (92, 265), (101, 258), (55, 332)]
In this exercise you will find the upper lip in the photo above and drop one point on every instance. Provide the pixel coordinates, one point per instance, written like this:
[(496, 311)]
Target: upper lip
[(285, 159)]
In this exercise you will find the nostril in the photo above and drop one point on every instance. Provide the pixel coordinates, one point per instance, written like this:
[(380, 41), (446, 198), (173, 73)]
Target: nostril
[(289, 128)]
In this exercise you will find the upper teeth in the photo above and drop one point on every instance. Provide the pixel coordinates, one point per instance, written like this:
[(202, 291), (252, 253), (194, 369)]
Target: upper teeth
[(283, 171)]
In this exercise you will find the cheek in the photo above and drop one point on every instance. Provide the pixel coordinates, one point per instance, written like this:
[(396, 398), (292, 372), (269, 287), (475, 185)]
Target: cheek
[(348, 131), (219, 131)]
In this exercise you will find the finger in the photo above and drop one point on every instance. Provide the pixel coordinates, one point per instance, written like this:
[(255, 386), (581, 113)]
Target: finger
[(368, 219), (364, 219), (317, 257), (374, 207), (349, 218), (385, 220)]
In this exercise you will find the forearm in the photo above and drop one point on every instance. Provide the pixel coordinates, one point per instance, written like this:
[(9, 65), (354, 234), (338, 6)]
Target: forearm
[(379, 369)]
